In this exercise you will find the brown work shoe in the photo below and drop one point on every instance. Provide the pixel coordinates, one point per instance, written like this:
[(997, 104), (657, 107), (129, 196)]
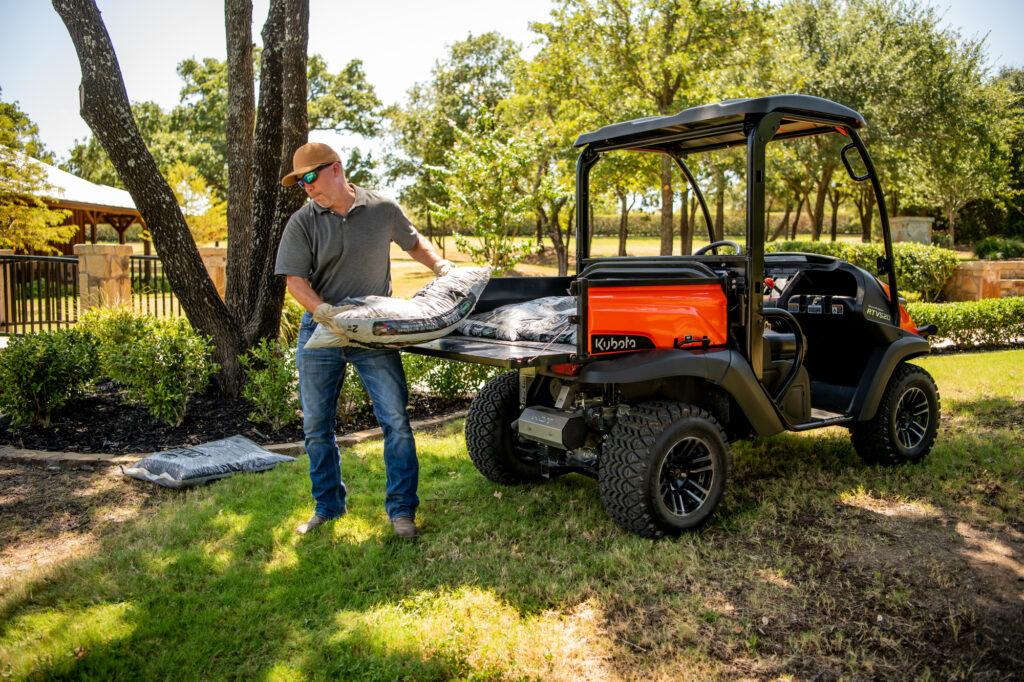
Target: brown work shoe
[(317, 520), (405, 527)]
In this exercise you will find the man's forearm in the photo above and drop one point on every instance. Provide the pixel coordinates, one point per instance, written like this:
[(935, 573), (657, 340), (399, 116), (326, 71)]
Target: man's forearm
[(301, 290), (425, 253)]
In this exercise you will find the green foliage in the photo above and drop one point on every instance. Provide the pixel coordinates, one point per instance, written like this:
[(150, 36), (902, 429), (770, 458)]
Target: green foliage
[(989, 322), (291, 320), (272, 383), (445, 378), (920, 268), (41, 373), (160, 363), (484, 183), (353, 398), (999, 248), (115, 330), (25, 220)]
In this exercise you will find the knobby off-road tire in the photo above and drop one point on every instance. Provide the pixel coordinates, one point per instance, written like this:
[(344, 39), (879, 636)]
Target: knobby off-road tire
[(903, 430), (664, 469), (489, 436)]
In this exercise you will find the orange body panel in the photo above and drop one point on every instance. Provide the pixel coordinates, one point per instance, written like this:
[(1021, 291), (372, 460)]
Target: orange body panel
[(669, 316)]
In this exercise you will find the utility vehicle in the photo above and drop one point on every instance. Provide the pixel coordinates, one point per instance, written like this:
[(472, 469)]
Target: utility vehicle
[(678, 356)]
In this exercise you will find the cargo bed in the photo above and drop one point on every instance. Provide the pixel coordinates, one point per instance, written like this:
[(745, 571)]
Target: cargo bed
[(496, 352)]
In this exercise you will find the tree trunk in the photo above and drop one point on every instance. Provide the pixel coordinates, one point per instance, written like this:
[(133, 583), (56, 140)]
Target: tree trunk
[(105, 108), (834, 200), (685, 223), (818, 212), (667, 199), (796, 221), (719, 234), (255, 224), (267, 290), (241, 117), (783, 225), (623, 222), (866, 210)]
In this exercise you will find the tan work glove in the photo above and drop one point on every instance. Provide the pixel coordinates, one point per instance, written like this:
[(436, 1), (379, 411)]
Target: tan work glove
[(325, 314), (443, 267)]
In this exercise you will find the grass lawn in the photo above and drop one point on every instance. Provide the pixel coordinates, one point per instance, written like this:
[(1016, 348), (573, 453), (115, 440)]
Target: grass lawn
[(817, 567)]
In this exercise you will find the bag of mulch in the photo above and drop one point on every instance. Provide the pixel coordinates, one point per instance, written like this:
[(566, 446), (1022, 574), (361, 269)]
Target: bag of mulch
[(188, 466), (543, 319), (385, 322)]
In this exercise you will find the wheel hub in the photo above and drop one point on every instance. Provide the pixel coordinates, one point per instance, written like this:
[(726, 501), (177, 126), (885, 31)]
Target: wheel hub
[(686, 476), (912, 418)]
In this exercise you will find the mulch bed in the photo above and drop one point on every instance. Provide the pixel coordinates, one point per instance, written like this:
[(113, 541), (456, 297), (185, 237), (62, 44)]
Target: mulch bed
[(102, 423)]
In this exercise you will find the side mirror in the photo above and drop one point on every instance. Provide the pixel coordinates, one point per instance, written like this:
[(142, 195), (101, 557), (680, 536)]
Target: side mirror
[(882, 264)]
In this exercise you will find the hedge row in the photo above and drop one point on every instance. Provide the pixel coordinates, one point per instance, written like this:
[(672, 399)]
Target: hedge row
[(920, 269), (999, 248), (968, 324)]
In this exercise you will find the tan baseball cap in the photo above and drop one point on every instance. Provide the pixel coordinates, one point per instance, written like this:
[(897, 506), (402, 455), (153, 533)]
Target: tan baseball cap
[(306, 158)]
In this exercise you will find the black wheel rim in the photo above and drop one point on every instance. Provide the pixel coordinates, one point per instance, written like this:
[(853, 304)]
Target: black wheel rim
[(912, 417), (687, 476)]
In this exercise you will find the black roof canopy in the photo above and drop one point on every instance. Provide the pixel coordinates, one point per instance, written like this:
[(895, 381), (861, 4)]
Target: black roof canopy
[(714, 126)]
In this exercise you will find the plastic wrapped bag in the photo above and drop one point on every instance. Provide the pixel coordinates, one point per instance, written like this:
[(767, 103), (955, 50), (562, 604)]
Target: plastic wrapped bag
[(544, 319), (385, 322), (188, 466)]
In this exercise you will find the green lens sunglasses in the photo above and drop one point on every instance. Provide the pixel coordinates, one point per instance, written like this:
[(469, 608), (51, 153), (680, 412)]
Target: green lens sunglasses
[(310, 177)]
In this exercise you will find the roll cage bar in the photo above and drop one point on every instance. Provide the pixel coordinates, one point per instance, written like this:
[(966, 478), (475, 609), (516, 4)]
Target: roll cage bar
[(751, 122)]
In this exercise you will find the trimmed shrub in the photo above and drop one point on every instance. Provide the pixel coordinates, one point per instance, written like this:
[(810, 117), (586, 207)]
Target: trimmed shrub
[(920, 268), (991, 322), (999, 248), (167, 365), (271, 383), (116, 330), (445, 378), (41, 373)]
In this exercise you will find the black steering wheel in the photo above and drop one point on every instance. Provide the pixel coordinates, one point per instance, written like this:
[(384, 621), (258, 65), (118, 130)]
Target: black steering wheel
[(713, 246)]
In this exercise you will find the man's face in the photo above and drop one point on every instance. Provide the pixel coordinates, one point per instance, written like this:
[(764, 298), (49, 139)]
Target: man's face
[(325, 189)]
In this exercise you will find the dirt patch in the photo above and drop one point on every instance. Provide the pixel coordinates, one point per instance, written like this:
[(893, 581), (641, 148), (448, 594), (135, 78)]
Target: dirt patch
[(51, 516)]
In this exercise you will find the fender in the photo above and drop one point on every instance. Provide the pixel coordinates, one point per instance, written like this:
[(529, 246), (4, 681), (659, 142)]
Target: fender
[(880, 368), (725, 368)]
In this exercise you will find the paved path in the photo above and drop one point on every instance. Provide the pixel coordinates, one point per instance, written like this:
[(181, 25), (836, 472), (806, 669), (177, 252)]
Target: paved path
[(58, 460)]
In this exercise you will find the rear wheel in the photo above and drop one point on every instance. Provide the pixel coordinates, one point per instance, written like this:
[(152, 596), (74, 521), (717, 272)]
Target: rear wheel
[(664, 469), (904, 428), (496, 450)]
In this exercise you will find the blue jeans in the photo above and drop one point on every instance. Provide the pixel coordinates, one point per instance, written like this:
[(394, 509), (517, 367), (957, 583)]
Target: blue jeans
[(321, 373)]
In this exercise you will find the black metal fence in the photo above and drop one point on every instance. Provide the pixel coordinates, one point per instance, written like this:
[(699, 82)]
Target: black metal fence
[(39, 293), (151, 291)]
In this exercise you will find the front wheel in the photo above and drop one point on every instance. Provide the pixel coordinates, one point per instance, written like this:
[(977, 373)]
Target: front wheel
[(664, 469), (904, 428)]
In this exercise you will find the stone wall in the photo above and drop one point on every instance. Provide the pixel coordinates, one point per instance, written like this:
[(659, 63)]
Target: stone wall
[(976, 280)]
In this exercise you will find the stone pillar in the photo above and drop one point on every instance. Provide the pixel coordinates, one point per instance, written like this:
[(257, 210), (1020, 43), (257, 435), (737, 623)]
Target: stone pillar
[(104, 275), (6, 290), (911, 229), (215, 258)]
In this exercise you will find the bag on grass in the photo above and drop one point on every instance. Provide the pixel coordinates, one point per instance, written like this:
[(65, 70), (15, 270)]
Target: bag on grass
[(188, 466), (385, 322), (543, 319)]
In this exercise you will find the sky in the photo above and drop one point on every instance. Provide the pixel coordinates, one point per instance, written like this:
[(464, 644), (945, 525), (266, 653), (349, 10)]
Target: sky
[(399, 41)]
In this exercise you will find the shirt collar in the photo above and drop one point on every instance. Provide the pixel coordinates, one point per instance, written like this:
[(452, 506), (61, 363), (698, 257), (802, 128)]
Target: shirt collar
[(360, 200)]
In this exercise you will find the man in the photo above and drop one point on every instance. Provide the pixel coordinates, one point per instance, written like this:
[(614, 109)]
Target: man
[(338, 246)]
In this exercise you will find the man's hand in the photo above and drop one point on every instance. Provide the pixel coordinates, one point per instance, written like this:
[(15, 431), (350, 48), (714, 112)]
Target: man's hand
[(443, 267), (325, 314)]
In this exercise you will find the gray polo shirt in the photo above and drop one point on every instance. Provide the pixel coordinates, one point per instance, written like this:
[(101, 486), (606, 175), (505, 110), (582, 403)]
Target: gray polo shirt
[(345, 256)]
